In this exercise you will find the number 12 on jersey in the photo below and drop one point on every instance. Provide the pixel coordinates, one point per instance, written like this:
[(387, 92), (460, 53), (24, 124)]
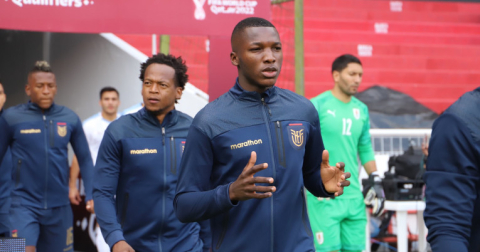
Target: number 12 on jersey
[(347, 125)]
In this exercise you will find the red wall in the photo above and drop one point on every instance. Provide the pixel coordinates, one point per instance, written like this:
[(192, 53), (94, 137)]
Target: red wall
[(425, 49)]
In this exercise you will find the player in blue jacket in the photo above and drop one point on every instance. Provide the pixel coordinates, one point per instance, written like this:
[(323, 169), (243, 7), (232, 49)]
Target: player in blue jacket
[(38, 133), (138, 162), (452, 178), (250, 153), (5, 183)]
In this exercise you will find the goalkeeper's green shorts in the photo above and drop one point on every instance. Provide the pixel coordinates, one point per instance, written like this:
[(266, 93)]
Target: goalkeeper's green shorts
[(337, 224)]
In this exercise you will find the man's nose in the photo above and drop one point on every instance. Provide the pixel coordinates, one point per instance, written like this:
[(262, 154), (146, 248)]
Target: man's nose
[(154, 88), (46, 89), (269, 56)]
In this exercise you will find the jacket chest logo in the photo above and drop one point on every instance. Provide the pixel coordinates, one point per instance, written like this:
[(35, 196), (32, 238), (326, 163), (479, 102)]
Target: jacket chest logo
[(296, 132), (62, 129), (144, 151), (30, 131), (246, 144), (182, 146)]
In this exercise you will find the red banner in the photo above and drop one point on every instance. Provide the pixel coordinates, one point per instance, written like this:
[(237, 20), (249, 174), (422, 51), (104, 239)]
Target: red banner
[(173, 17)]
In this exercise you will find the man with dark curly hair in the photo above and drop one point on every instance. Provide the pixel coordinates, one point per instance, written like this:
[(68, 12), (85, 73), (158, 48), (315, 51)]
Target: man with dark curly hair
[(137, 161)]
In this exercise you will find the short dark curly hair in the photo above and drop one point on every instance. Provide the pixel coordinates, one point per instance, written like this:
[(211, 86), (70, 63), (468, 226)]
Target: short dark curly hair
[(247, 23), (342, 61), (177, 63)]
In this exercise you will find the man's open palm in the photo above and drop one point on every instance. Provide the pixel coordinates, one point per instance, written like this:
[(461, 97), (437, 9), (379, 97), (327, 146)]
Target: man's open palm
[(334, 178)]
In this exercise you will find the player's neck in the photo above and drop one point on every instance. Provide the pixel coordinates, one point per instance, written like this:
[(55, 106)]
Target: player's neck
[(250, 87), (337, 93), (109, 117)]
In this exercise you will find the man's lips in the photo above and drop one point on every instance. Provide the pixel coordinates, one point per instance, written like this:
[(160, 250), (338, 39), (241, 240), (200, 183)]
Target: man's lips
[(270, 72), (153, 100)]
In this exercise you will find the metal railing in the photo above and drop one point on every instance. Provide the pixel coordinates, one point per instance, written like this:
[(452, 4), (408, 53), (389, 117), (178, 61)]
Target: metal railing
[(395, 141)]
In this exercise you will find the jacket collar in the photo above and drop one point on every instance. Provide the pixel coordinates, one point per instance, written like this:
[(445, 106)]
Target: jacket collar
[(170, 119), (35, 107), (238, 92)]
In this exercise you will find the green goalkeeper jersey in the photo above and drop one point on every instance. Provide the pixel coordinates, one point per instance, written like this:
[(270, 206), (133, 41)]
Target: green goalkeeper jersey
[(345, 132)]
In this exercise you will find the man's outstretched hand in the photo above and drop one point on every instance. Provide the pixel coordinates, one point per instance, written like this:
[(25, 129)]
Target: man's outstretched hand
[(122, 246), (245, 188), (334, 178)]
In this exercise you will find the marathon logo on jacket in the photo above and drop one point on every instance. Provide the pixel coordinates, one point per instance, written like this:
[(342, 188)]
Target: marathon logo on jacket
[(246, 144), (144, 151), (296, 135), (62, 129), (30, 131)]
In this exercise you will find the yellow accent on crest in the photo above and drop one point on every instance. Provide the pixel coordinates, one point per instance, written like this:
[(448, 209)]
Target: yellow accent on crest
[(297, 137), (69, 236), (62, 130)]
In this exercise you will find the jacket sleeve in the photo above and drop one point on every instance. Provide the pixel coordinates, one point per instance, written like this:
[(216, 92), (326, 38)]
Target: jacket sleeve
[(206, 235), (451, 179), (107, 170), (5, 138), (312, 160), (194, 199), (365, 149), (82, 151)]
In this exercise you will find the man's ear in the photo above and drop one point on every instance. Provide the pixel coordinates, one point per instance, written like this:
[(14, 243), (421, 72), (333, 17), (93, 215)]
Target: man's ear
[(234, 58), (179, 92), (336, 76), (28, 91)]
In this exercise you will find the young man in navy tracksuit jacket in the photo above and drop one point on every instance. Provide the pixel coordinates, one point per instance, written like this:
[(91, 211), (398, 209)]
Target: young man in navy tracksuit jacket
[(5, 183), (452, 178), (272, 131), (138, 162), (38, 133)]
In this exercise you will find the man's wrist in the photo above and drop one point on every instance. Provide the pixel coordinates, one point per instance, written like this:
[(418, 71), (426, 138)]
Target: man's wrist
[(231, 194)]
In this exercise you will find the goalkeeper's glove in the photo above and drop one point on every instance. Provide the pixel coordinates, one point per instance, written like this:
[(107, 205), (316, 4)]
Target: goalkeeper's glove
[(374, 195)]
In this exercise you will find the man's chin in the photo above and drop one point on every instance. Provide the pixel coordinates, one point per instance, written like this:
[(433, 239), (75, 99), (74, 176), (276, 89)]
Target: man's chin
[(44, 105), (154, 112), (268, 83)]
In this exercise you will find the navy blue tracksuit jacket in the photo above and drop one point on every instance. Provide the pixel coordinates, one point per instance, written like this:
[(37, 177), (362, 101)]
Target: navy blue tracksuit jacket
[(38, 142), (452, 178), (138, 162), (5, 189), (283, 129)]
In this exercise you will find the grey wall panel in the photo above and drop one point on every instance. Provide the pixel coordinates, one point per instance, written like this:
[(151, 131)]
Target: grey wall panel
[(18, 52), (84, 63)]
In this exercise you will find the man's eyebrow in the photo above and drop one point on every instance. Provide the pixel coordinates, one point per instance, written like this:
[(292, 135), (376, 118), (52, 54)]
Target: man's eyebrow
[(262, 43)]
